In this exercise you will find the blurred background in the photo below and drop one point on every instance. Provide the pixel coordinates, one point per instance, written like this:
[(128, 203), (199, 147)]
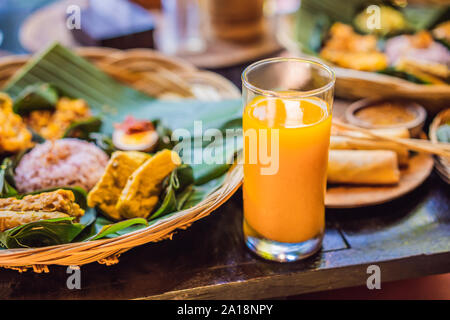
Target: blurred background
[(12, 15), (208, 33)]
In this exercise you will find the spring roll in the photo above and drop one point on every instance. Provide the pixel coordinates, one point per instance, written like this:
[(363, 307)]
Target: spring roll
[(401, 133), (347, 143), (371, 167)]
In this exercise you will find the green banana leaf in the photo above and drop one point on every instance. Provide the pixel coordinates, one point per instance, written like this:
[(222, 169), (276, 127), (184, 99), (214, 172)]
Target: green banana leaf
[(110, 229), (83, 128), (102, 141), (173, 186), (36, 97), (41, 233), (6, 187), (424, 17), (314, 18)]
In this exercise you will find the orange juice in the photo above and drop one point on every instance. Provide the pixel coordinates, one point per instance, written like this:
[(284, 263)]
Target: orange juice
[(288, 204)]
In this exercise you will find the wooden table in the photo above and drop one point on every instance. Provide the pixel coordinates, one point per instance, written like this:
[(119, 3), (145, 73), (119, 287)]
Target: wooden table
[(408, 237)]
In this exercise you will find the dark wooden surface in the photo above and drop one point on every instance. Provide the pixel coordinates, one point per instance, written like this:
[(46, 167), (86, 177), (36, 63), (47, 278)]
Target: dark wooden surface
[(408, 237)]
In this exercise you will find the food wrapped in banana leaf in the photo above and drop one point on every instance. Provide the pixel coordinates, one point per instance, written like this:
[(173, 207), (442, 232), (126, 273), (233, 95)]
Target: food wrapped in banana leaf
[(420, 56)]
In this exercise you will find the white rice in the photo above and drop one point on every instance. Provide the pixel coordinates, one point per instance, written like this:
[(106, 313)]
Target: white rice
[(65, 162)]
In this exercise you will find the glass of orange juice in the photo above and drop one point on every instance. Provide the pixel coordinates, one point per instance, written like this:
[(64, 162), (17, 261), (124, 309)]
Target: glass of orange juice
[(286, 125)]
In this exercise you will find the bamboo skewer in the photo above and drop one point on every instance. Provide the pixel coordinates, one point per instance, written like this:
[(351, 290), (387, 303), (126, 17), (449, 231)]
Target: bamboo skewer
[(418, 145)]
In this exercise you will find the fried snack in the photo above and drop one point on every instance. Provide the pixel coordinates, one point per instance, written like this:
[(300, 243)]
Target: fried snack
[(56, 204), (370, 167), (52, 124), (348, 49), (141, 193), (60, 200), (12, 219), (442, 31), (430, 72), (386, 132), (363, 61), (107, 191), (14, 135), (347, 143)]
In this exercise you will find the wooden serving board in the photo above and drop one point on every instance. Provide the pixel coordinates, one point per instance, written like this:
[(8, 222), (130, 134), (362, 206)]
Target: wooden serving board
[(420, 167)]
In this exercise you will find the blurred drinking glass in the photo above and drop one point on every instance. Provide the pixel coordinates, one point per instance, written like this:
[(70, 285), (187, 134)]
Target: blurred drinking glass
[(235, 20), (181, 29)]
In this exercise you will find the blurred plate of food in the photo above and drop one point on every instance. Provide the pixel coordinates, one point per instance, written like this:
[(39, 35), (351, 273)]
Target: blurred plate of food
[(378, 49), (365, 170)]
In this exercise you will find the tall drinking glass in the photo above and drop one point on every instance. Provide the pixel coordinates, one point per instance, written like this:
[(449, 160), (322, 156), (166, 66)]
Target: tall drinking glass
[(286, 123)]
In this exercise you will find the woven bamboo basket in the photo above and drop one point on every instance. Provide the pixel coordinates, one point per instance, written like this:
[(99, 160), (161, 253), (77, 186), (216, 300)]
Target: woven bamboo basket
[(159, 76), (442, 164)]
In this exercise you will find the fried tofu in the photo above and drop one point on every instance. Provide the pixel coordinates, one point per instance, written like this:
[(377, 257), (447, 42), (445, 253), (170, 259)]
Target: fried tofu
[(142, 190), (106, 192)]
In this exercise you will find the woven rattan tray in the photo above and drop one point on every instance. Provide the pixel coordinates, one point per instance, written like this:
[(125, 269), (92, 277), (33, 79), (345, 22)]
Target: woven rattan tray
[(165, 78)]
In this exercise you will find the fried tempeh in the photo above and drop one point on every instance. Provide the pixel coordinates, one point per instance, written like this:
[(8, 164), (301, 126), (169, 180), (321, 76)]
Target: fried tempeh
[(47, 205), (12, 219), (61, 200)]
